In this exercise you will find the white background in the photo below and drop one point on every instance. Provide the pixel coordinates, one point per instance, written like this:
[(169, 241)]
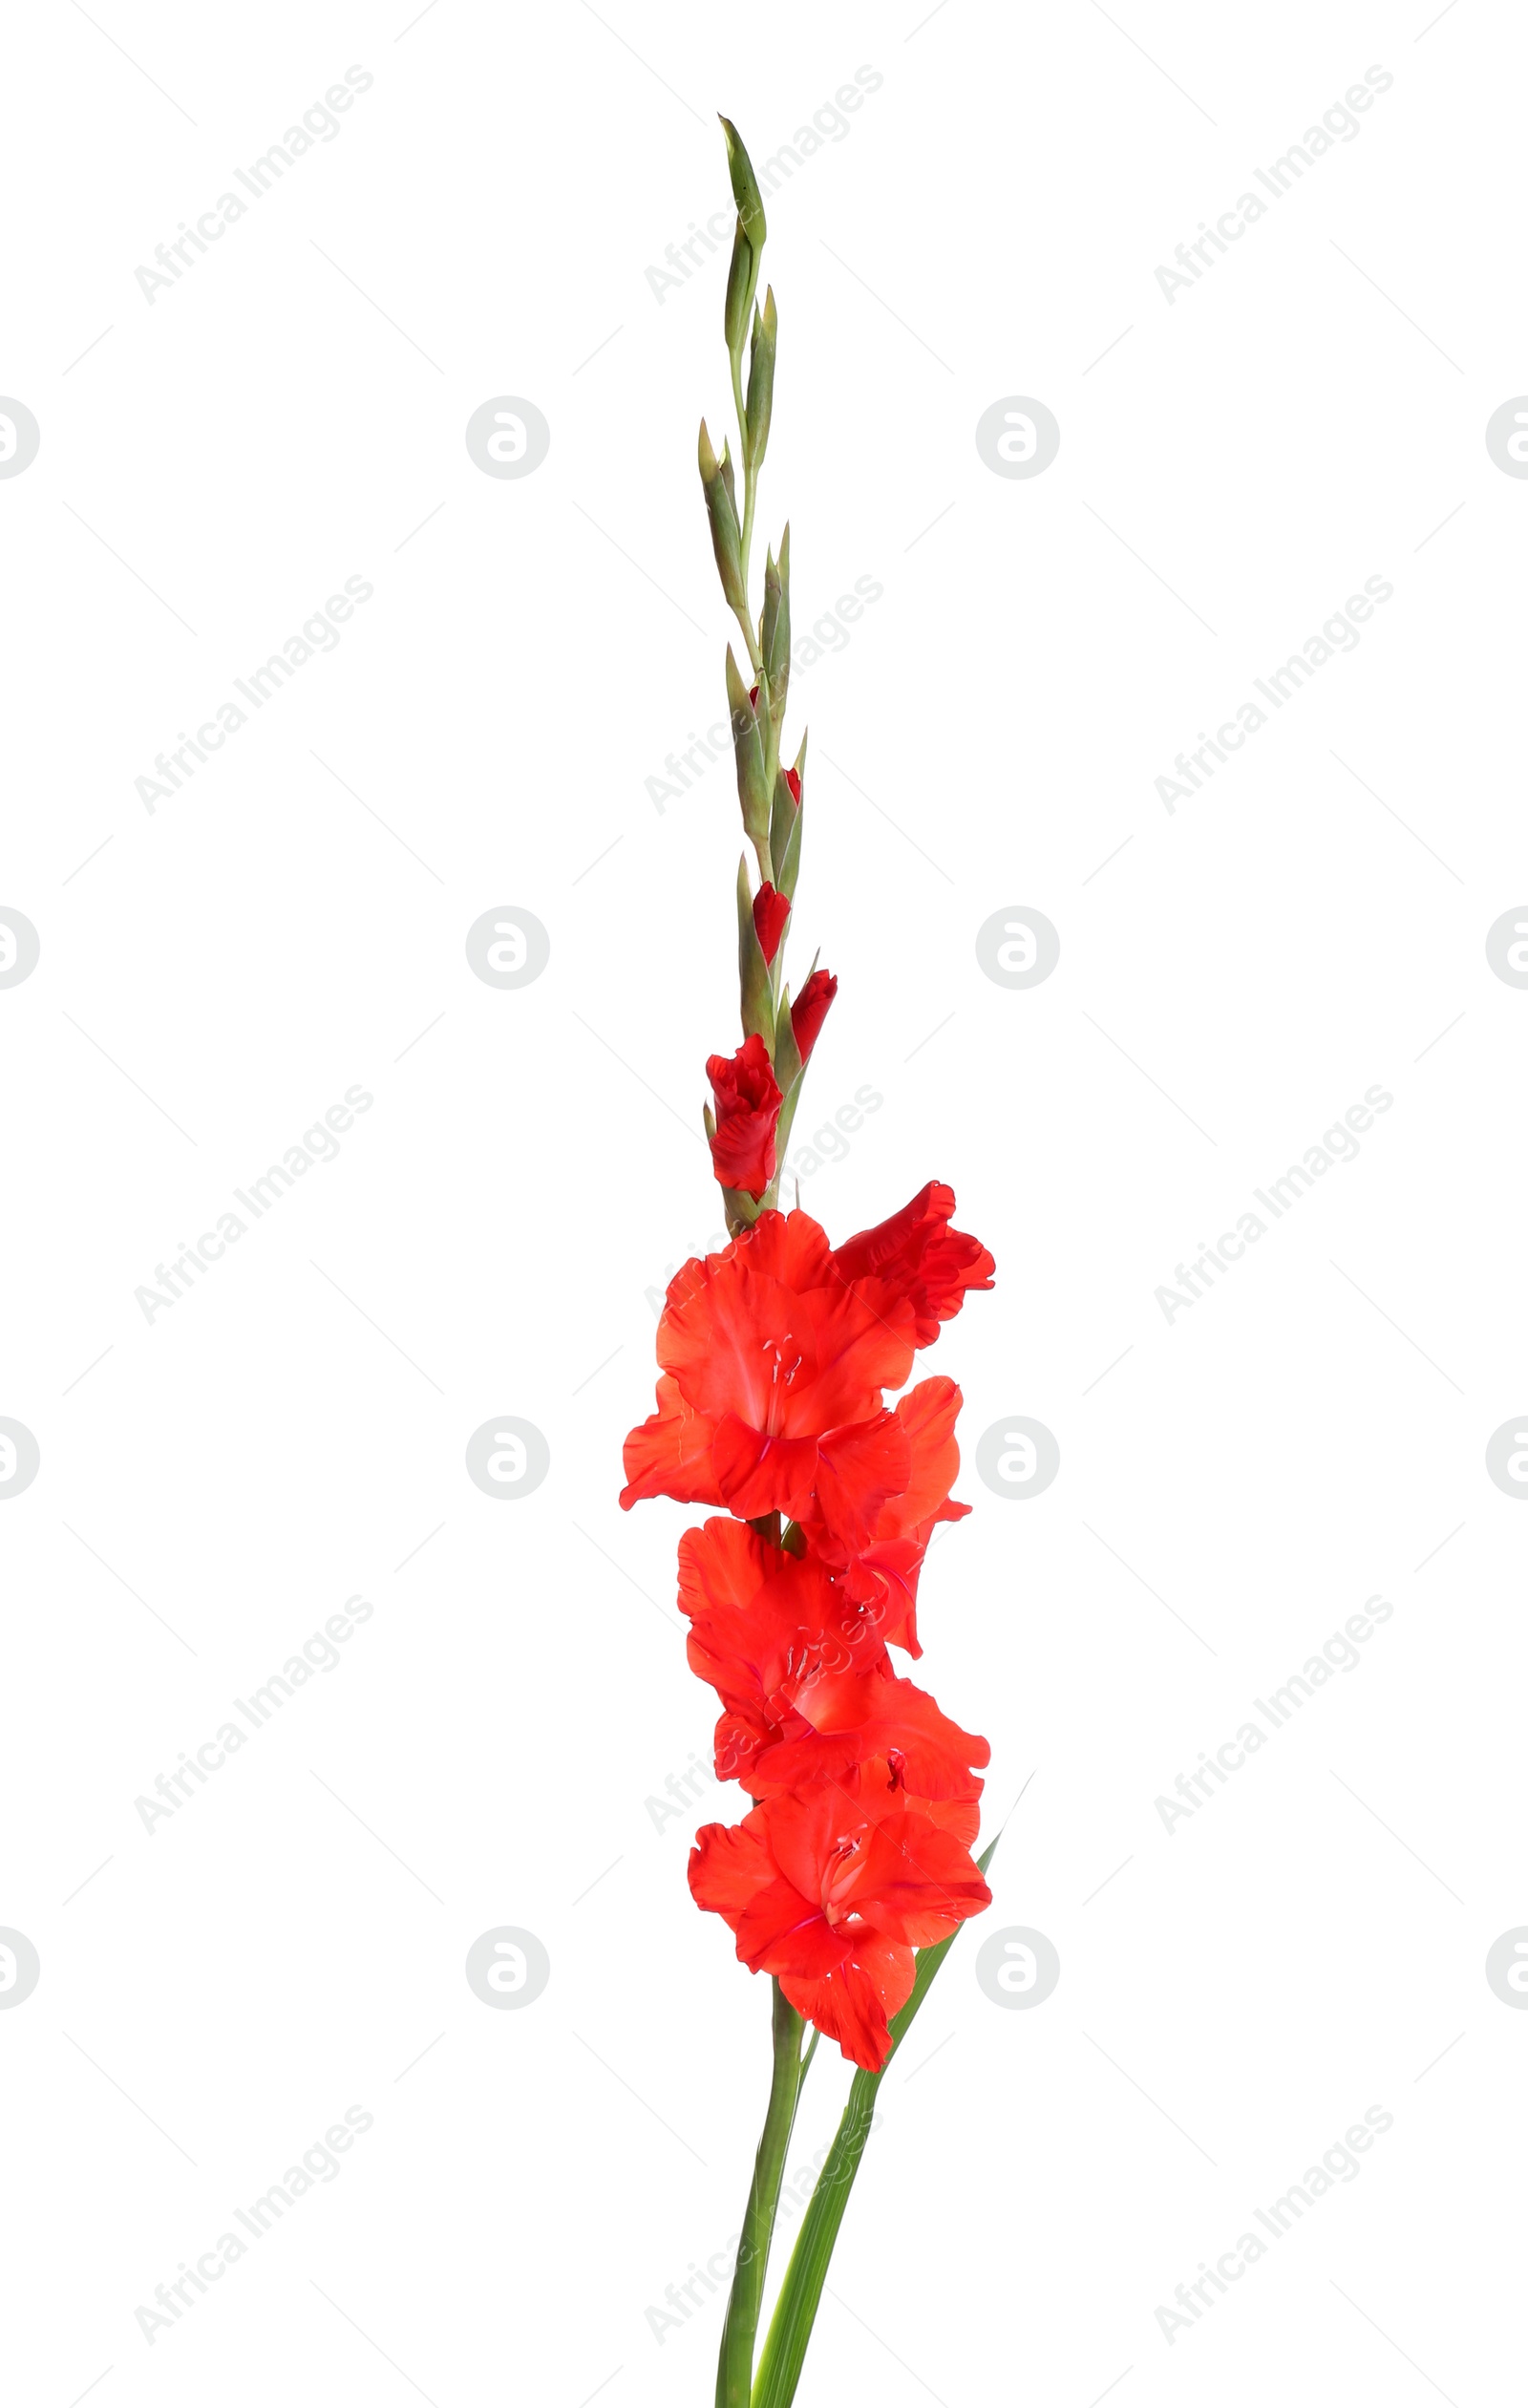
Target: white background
[(1233, 1483)]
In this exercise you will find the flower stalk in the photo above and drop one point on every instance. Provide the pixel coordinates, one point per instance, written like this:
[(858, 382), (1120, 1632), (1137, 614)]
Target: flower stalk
[(734, 2372), (802, 2292), (849, 1877)]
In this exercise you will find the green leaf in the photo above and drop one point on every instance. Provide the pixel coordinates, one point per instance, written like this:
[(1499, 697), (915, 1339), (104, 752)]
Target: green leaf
[(779, 2368)]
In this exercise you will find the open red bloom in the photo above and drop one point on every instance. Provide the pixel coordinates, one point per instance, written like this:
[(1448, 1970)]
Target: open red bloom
[(761, 1622), (748, 1109), (809, 1009), (832, 1893), (771, 911), (807, 1690), (920, 1255), (774, 1367)]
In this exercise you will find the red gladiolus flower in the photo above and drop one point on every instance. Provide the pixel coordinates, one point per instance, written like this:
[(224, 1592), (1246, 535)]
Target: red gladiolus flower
[(920, 1255), (832, 1893), (806, 1685), (771, 911), (809, 1009), (774, 1364), (748, 1108), (771, 1401)]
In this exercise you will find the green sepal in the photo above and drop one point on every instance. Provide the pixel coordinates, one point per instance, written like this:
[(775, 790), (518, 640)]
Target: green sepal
[(782, 1130), (721, 509), (752, 969), (748, 746), (786, 1055), (761, 380), (785, 837), (740, 1208), (776, 629), (742, 283)]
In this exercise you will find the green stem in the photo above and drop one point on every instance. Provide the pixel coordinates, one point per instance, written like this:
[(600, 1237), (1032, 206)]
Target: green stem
[(779, 2368), (795, 2311), (734, 2372)]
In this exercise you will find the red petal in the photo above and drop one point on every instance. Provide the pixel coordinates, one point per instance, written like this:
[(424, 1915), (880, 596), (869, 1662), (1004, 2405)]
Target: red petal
[(671, 1454), (779, 1931), (757, 1474), (858, 1467), (771, 911), (854, 2005)]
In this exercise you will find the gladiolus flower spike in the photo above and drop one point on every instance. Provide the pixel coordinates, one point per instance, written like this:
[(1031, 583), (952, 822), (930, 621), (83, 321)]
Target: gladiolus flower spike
[(849, 1870)]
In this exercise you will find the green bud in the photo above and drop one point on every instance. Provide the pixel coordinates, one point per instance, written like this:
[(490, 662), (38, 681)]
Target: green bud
[(742, 277), (721, 508), (742, 283), (761, 380), (752, 970), (748, 745), (745, 186), (775, 633)]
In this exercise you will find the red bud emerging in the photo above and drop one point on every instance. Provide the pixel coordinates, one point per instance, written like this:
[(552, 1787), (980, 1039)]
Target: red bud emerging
[(771, 911), (748, 1108), (809, 1009)]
